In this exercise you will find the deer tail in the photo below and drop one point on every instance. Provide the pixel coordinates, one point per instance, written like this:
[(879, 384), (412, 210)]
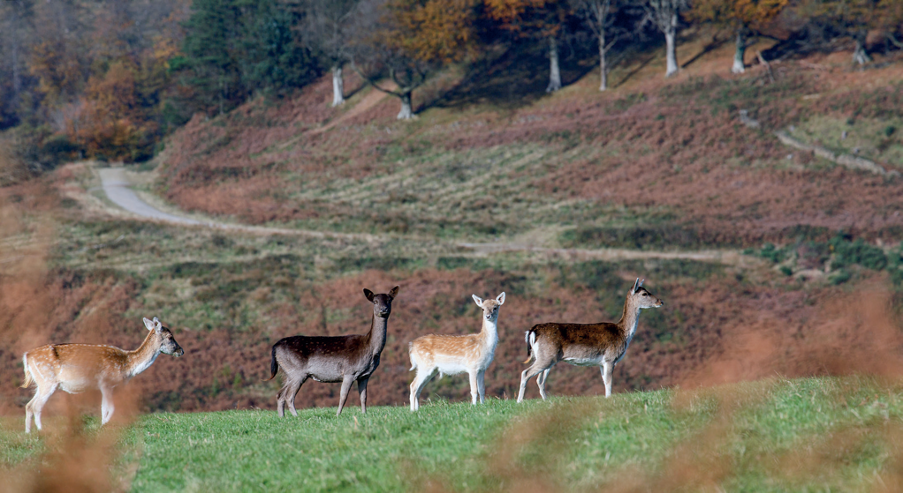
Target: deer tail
[(413, 362), (530, 338), (29, 380), (274, 366)]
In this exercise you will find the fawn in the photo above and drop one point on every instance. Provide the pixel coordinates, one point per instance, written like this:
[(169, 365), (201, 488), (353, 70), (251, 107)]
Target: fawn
[(75, 367), (450, 355)]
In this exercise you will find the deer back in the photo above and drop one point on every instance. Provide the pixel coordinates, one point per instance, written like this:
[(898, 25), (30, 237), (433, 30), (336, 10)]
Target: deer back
[(581, 341), (77, 366), (326, 358)]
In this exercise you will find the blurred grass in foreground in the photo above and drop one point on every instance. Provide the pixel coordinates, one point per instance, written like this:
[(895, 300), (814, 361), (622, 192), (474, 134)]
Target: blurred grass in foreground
[(817, 434)]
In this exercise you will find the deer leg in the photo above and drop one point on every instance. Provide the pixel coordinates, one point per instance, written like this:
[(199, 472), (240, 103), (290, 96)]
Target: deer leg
[(541, 382), (606, 370), (473, 378), (106, 404), (29, 413), (528, 373), (38, 403), (481, 390), (420, 380), (362, 390), (343, 393), (291, 392)]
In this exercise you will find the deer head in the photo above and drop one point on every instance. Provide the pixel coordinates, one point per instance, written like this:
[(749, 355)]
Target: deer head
[(642, 297), (382, 301), (164, 336), (490, 306)]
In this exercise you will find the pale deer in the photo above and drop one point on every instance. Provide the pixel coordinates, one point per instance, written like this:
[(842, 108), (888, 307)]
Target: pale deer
[(332, 359), (76, 367), (448, 354), (602, 344)]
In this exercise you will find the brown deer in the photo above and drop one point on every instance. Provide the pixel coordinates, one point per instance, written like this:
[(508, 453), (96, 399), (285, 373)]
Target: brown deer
[(332, 359), (602, 344), (471, 353), (75, 368)]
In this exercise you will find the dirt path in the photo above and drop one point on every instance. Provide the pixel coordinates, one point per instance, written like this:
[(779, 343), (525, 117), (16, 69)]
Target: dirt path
[(118, 189), (367, 102), (373, 97), (729, 257)]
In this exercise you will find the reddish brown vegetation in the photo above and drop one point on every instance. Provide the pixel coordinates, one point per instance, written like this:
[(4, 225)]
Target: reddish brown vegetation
[(678, 147)]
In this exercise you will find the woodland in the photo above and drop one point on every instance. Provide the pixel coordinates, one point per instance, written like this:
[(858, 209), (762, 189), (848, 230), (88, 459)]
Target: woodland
[(108, 80)]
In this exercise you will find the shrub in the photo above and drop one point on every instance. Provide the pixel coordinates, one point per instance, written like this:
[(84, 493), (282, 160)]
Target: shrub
[(856, 252)]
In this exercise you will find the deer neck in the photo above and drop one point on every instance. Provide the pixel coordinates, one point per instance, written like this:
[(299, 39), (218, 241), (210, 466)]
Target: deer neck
[(629, 318), (488, 332), (137, 361), (377, 334)]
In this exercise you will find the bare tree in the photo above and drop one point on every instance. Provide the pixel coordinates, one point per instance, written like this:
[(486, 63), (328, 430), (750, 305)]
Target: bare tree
[(664, 15), (600, 15), (329, 24)]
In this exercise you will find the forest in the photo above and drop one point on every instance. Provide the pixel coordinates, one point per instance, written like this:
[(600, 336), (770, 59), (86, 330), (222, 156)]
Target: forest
[(109, 80)]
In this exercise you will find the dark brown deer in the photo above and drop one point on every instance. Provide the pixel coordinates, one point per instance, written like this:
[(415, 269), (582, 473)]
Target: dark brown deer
[(332, 359), (602, 344)]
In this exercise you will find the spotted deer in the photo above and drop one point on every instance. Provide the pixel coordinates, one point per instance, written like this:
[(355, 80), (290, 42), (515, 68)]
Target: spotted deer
[(332, 359), (75, 367), (450, 355), (602, 344)]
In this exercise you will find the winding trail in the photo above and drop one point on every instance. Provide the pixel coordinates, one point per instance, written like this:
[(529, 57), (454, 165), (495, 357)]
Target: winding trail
[(118, 189)]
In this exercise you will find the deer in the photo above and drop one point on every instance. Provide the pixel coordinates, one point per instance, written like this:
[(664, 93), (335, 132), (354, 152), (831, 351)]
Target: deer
[(472, 353), (603, 344), (332, 359), (75, 367)]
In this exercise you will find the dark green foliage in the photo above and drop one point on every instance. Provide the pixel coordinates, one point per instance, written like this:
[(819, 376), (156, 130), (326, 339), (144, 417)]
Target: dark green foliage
[(234, 48), (472, 264), (276, 62), (638, 237), (840, 277), (856, 252), (769, 251)]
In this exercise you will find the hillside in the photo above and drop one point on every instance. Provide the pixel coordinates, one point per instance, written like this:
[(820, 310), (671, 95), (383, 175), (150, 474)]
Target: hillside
[(800, 435), (540, 197)]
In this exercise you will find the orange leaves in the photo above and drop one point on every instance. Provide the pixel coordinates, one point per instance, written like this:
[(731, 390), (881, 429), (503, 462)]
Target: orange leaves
[(737, 13), (59, 73), (529, 16), (431, 31)]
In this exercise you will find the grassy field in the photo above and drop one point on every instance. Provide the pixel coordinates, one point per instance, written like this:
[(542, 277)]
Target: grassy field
[(817, 434)]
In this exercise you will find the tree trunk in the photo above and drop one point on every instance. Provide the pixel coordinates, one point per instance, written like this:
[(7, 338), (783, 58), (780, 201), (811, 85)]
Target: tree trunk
[(740, 44), (671, 63), (405, 113), (860, 55), (555, 79), (603, 69), (338, 99)]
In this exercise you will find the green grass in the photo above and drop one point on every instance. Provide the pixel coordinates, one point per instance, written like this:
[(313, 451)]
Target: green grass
[(877, 139), (823, 434)]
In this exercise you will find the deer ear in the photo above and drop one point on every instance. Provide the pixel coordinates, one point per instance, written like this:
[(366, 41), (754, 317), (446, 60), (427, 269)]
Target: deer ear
[(641, 284), (369, 294), (501, 298), (636, 281), (149, 324), (477, 300), (394, 291)]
